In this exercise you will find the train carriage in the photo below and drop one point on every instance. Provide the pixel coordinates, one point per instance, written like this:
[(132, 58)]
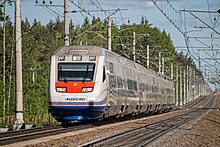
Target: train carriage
[(89, 83)]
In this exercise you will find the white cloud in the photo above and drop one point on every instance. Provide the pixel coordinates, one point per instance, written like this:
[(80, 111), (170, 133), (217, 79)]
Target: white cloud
[(134, 4), (149, 4)]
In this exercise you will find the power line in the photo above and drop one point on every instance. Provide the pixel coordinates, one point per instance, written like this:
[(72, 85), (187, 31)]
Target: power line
[(171, 13), (48, 7)]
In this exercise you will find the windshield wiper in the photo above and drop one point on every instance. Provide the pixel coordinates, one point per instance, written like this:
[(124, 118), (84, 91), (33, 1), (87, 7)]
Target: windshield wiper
[(65, 80)]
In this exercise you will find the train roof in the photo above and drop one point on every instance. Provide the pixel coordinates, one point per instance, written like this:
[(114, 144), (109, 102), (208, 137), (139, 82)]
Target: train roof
[(79, 49)]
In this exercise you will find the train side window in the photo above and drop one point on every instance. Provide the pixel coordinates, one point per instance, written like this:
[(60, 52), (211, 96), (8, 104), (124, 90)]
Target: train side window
[(112, 81), (130, 84), (156, 89), (153, 89), (111, 68), (163, 91), (119, 82), (154, 81), (147, 88), (104, 74), (135, 85), (115, 80), (125, 84), (142, 87)]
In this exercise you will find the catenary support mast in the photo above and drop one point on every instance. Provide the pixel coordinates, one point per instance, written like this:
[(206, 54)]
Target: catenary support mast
[(19, 91), (109, 34), (66, 27), (134, 46)]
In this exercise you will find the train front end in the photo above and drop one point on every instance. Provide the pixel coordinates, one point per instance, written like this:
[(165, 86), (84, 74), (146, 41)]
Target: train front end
[(76, 87)]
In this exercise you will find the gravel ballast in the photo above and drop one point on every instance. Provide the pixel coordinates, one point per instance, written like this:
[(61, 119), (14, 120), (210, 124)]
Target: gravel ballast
[(204, 132)]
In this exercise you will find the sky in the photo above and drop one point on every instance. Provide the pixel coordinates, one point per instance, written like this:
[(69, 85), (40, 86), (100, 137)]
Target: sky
[(136, 9)]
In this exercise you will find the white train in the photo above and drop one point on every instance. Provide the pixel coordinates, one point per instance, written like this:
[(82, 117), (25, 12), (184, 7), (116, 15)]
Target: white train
[(90, 83)]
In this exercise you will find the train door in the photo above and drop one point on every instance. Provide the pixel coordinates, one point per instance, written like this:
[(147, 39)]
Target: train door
[(124, 92), (141, 95), (153, 93), (112, 90)]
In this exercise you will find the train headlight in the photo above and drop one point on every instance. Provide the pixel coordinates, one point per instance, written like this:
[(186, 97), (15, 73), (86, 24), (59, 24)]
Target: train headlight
[(92, 58), (77, 58), (87, 89), (61, 89), (61, 58)]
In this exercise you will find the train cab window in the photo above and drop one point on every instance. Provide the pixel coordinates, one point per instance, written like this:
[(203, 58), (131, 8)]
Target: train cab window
[(79, 72), (104, 74)]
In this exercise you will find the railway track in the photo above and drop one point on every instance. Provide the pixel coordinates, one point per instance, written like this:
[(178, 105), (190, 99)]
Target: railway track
[(197, 102), (28, 134), (147, 134), (33, 133)]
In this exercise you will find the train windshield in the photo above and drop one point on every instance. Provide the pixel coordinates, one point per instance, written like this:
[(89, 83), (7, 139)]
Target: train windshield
[(80, 72)]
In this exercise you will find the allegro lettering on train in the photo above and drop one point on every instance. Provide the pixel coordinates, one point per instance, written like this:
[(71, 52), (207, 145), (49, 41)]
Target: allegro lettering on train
[(75, 99)]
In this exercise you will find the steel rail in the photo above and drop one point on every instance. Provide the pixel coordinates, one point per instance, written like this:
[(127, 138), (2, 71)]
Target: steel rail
[(24, 135)]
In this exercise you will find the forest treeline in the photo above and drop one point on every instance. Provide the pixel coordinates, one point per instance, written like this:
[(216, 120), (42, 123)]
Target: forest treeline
[(40, 41)]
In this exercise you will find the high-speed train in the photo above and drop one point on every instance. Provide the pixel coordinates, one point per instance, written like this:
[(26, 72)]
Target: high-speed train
[(91, 83)]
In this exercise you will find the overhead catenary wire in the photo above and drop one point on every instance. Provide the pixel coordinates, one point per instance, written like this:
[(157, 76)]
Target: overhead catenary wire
[(209, 12), (95, 24), (47, 7), (79, 7), (49, 12), (169, 11), (99, 7)]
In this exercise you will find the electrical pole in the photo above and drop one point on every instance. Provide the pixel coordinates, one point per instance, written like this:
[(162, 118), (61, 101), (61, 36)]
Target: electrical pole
[(163, 60), (181, 88), (194, 83), (187, 83), (148, 57), (66, 26), (19, 91), (159, 59), (4, 29), (177, 85), (171, 71), (109, 34), (133, 46), (33, 74), (190, 78), (184, 86)]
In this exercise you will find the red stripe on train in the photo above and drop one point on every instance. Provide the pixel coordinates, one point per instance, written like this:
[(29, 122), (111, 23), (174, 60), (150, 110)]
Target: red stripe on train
[(75, 87)]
